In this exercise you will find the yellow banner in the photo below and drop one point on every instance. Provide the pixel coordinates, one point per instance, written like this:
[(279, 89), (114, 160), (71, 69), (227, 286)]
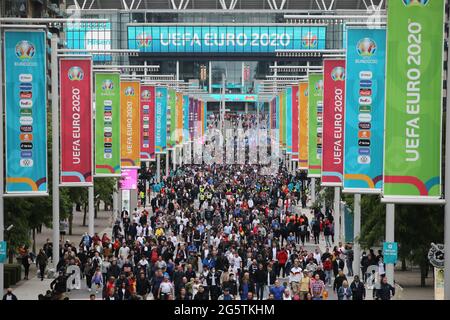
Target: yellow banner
[(129, 124), (303, 123)]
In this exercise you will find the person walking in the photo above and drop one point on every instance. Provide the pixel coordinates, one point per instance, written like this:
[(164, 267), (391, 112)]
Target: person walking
[(9, 295), (386, 291), (358, 289), (344, 292), (317, 288), (41, 262)]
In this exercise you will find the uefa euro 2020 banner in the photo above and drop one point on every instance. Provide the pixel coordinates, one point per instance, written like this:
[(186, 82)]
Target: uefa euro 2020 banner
[(364, 111), (315, 110), (333, 122), (160, 119), (147, 105), (25, 115), (171, 119), (130, 124), (107, 124), (412, 163), (179, 124), (76, 121), (295, 121), (185, 119), (288, 121), (303, 126)]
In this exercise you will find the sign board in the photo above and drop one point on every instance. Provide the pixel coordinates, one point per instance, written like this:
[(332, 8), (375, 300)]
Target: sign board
[(390, 252), (436, 255), (439, 284), (3, 251)]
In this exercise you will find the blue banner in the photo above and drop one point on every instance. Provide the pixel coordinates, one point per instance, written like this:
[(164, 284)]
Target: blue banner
[(364, 110), (288, 104), (161, 119), (26, 112), (223, 39), (185, 119)]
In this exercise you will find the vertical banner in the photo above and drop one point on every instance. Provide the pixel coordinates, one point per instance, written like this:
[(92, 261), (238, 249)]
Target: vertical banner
[(283, 120), (191, 119), (25, 112), (76, 121), (413, 136), (185, 119), (295, 121), (180, 114), (160, 119), (288, 103), (315, 116), (107, 124), (171, 119), (130, 124), (147, 106), (364, 112), (333, 122), (128, 179), (303, 133)]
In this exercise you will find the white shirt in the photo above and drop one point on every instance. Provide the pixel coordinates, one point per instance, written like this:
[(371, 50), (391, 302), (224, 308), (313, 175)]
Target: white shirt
[(237, 261), (274, 254), (317, 257), (295, 275), (166, 287)]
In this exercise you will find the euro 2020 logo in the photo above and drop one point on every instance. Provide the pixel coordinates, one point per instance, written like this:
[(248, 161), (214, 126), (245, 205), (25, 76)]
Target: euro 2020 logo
[(129, 92), (366, 47), (318, 85), (145, 94), (75, 74), (415, 2), (107, 85), (338, 74), (143, 40), (25, 50), (309, 40)]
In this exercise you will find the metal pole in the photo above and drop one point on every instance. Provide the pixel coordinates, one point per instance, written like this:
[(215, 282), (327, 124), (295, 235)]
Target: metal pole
[(337, 214), (55, 149), (91, 210), (390, 227), (116, 209), (447, 188), (2, 207), (313, 190), (158, 167), (356, 233)]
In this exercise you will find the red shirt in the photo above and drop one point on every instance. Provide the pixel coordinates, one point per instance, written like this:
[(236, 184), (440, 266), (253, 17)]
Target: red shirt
[(282, 257)]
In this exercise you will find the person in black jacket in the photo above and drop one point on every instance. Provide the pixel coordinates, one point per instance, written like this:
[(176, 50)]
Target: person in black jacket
[(9, 295), (231, 284), (338, 280), (201, 294), (59, 285), (178, 277), (358, 289), (142, 286), (260, 280), (213, 281), (338, 264), (385, 290)]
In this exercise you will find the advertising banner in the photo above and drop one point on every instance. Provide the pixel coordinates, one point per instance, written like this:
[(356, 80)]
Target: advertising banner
[(315, 117), (185, 119), (191, 119), (76, 121), (90, 36), (303, 126), (180, 114), (128, 179), (288, 103), (147, 106), (107, 124), (160, 119), (283, 120), (171, 119), (333, 122), (295, 122), (413, 135), (25, 112), (130, 124), (225, 38), (364, 112)]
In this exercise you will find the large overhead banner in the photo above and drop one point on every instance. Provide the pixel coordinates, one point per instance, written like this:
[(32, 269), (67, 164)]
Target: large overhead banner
[(315, 112), (107, 124), (147, 105), (160, 119), (224, 38), (295, 121), (412, 162), (333, 122), (303, 126), (288, 103), (76, 121), (364, 112), (25, 112), (171, 119), (130, 124)]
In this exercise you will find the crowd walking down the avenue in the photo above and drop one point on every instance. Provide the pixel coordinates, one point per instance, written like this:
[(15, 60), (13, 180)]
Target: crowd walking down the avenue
[(214, 232)]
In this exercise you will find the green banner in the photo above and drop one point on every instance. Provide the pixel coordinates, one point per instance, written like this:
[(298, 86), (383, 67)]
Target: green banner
[(413, 133), (171, 119), (315, 112), (107, 124)]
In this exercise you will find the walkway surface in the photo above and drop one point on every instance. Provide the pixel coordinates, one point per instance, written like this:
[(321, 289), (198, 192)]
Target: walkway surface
[(30, 289)]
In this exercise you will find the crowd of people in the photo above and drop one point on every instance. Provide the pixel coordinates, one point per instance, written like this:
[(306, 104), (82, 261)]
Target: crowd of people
[(218, 232)]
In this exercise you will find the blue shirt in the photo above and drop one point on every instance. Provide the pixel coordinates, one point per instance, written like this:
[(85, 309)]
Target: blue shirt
[(277, 292)]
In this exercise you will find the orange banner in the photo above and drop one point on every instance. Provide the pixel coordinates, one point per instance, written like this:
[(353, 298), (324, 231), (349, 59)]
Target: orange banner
[(303, 121), (130, 124)]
